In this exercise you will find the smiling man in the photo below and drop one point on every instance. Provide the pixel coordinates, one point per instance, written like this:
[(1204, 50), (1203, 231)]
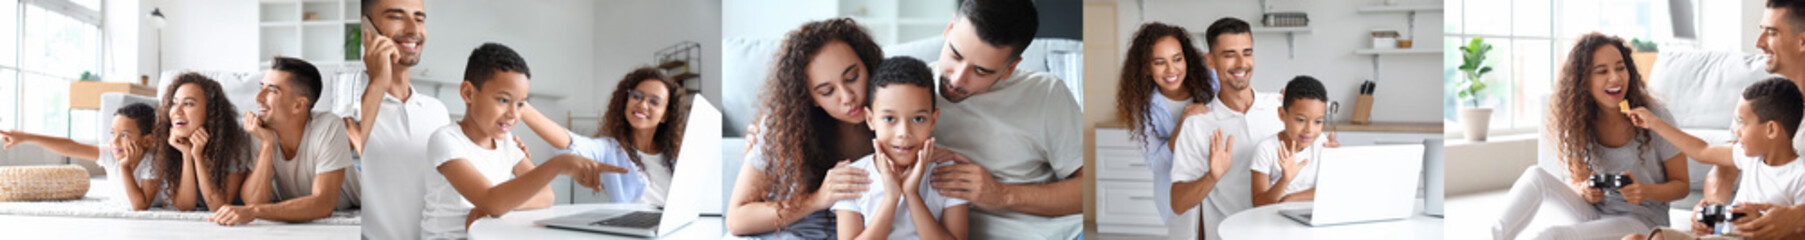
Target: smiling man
[(1020, 129), (395, 121), (303, 169), (1241, 117)]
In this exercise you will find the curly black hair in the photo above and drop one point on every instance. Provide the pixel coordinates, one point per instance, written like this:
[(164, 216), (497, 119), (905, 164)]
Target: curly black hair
[(901, 70), (144, 114), (491, 58), (1304, 87), (1778, 99)]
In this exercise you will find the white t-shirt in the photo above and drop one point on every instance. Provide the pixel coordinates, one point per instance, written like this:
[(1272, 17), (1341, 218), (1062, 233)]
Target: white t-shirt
[(392, 167), (1761, 183), (1026, 130), (446, 209), (1266, 161), (1191, 151), (1174, 108), (146, 170), (324, 148), (655, 173), (901, 226)]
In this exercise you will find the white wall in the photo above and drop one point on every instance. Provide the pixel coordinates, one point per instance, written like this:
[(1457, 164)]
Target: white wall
[(752, 18), (1410, 92), (204, 35), (629, 32)]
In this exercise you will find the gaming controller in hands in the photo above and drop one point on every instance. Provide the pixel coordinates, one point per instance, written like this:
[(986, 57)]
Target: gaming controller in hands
[(1609, 181), (1719, 217)]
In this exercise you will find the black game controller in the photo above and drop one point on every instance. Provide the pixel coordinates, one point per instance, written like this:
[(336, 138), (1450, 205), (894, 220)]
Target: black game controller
[(1609, 181), (1719, 217)]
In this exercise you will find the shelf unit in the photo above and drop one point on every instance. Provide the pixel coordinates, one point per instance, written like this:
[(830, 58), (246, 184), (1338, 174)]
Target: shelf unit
[(895, 21), (1410, 11), (318, 31)]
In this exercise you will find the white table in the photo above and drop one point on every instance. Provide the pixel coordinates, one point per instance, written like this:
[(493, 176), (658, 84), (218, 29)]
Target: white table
[(519, 225), (1266, 223)]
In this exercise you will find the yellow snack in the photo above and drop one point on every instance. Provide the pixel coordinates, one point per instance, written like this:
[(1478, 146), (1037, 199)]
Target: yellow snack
[(1624, 106)]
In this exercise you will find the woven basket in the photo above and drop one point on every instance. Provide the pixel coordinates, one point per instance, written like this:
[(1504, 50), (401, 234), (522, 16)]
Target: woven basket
[(42, 183)]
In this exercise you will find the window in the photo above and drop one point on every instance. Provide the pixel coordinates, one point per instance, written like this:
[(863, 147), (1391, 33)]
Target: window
[(1530, 39), (51, 43)]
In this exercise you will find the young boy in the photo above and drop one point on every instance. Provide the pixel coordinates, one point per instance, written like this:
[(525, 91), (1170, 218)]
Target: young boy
[(1766, 120), (1281, 165), (123, 155), (902, 113), (480, 172)]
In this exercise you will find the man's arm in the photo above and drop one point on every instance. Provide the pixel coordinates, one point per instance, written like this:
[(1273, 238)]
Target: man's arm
[(257, 189), (326, 188)]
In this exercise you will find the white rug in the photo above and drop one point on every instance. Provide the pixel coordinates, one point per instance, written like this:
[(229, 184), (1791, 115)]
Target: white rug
[(101, 203)]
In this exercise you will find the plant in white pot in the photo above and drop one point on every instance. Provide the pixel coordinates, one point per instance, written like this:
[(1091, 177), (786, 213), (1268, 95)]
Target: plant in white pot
[(1476, 118)]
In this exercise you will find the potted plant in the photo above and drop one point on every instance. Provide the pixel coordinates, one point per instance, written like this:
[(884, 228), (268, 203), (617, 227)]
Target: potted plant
[(1476, 118)]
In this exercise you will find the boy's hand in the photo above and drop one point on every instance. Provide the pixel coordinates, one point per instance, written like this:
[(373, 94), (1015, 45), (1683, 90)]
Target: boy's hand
[(1221, 156), (1632, 192), (1698, 227), (887, 168), (132, 153), (1642, 118), (12, 137), (912, 180), (1288, 161), (843, 182), (1777, 222)]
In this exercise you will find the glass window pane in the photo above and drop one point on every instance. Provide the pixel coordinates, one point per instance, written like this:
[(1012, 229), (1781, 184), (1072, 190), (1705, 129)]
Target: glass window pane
[(1533, 82), (9, 93), (90, 4), (1531, 18), (1483, 17), (58, 45), (48, 116), (9, 24)]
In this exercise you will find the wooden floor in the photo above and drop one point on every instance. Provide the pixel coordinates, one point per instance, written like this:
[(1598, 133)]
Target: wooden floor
[(36, 227)]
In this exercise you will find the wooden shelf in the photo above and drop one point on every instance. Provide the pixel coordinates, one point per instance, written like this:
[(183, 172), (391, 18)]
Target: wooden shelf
[(685, 76), (1388, 127), (1302, 29), (671, 64), (1400, 8), (1396, 51)]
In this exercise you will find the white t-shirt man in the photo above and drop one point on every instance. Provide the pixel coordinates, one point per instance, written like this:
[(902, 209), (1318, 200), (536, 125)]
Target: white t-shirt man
[(658, 175), (392, 164), (446, 209), (1026, 130), (1266, 161), (1191, 152), (1779, 185), (901, 226), (324, 148)]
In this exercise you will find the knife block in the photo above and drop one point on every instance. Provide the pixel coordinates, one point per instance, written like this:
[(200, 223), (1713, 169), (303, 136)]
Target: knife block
[(1363, 109)]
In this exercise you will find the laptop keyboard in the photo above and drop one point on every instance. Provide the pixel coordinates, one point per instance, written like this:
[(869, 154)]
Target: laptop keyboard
[(632, 220)]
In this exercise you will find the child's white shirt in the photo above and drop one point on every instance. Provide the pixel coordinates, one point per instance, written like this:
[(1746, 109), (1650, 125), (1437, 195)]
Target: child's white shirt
[(1266, 160), (1779, 185), (446, 209), (902, 226)]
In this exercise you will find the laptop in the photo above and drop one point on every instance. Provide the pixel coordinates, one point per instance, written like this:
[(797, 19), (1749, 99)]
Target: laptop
[(1363, 184), (682, 204)]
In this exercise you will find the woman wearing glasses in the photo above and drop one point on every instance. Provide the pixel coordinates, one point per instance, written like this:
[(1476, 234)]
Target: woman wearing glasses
[(642, 129)]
